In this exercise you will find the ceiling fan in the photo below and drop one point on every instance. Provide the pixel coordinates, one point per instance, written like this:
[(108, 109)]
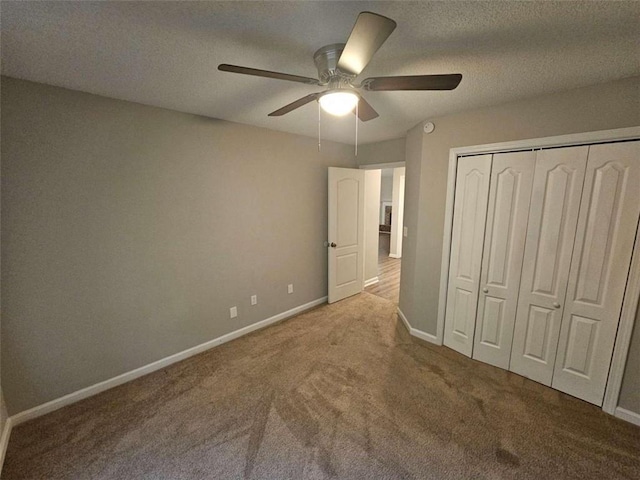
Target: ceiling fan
[(338, 66)]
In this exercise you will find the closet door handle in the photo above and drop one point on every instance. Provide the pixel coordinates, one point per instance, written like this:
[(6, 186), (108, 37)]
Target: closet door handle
[(556, 305), (485, 290)]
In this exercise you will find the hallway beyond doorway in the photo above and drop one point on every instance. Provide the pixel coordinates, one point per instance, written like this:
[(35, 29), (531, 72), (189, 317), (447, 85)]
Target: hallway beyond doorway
[(388, 285)]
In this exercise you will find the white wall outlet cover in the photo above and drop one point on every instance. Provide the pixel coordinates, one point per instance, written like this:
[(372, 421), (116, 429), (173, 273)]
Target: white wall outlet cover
[(405, 231), (233, 312), (254, 299), (429, 127), (290, 288)]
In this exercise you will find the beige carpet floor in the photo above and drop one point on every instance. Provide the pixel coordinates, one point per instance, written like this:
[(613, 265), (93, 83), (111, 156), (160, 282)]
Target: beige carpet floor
[(341, 391)]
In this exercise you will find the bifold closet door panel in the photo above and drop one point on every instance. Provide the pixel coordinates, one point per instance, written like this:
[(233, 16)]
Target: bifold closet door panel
[(506, 227), (469, 216), (599, 269), (555, 201)]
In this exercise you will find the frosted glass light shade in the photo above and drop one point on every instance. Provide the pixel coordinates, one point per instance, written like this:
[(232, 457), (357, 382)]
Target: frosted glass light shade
[(338, 103)]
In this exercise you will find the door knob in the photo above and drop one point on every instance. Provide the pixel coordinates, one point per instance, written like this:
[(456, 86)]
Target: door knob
[(333, 245), (485, 290), (556, 305)]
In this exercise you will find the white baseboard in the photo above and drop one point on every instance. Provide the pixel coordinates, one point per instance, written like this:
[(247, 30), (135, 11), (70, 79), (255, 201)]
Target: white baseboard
[(4, 441), (407, 325), (418, 333), (425, 336), (393, 255), (628, 415), (371, 281), (48, 407)]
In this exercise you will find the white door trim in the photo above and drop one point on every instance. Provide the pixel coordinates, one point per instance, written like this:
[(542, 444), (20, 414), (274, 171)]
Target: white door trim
[(623, 338), (625, 329)]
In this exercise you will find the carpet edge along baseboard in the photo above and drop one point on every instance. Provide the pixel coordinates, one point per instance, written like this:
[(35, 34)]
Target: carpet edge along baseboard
[(92, 390)]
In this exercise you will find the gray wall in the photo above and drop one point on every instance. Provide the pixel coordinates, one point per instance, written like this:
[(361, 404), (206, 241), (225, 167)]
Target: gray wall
[(630, 391), (386, 187), (128, 232), (413, 167), (598, 107), (388, 151)]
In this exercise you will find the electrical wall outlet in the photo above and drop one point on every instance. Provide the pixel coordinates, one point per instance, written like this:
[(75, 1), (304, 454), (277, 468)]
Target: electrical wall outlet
[(233, 312), (290, 288), (254, 299), (405, 231)]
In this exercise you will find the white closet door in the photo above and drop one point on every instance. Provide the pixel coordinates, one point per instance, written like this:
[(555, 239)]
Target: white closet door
[(469, 215), (509, 196), (599, 269), (555, 200)]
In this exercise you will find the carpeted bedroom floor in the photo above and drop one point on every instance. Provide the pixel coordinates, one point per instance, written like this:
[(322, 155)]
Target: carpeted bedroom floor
[(341, 391)]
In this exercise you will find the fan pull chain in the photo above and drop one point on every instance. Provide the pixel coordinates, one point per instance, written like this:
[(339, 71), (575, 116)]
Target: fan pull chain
[(357, 129), (319, 112)]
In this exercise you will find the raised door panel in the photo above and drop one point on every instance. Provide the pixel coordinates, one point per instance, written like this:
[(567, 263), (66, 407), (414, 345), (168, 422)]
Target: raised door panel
[(604, 244), (470, 210), (492, 327), (472, 184), (555, 202), (346, 269), (581, 339), (538, 331), (508, 212), (461, 306), (559, 201), (348, 190)]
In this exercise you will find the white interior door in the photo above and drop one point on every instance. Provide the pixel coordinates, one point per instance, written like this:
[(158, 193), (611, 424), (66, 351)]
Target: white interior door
[(604, 243), (346, 232), (469, 215), (555, 201), (507, 214)]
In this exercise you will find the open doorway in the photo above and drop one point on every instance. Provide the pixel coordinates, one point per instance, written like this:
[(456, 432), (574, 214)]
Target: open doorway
[(383, 241)]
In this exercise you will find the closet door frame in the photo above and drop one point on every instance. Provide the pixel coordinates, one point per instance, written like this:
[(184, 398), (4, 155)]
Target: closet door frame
[(632, 293)]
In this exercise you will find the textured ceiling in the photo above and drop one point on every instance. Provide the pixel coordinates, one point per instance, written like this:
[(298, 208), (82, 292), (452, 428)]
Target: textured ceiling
[(166, 54)]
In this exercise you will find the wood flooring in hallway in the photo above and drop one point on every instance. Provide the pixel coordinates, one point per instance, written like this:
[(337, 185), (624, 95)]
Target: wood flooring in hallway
[(388, 285)]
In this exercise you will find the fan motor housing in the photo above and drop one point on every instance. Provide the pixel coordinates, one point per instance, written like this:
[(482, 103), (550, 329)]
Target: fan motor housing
[(326, 60)]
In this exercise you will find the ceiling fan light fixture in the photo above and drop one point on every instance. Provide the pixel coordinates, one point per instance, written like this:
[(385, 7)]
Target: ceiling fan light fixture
[(339, 102), (339, 64)]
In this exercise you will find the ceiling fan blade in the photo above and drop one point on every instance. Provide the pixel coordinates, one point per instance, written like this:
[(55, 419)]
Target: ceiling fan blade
[(293, 105), (365, 111), (413, 82), (266, 73), (368, 34)]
